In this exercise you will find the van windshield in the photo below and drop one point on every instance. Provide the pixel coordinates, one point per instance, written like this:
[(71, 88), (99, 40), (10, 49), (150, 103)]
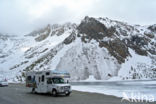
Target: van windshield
[(58, 80)]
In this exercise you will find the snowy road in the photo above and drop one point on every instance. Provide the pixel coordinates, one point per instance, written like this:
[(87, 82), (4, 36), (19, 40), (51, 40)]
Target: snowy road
[(19, 94)]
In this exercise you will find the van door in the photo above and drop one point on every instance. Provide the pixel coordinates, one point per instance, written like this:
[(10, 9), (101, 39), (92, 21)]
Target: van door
[(49, 85), (43, 84), (38, 80)]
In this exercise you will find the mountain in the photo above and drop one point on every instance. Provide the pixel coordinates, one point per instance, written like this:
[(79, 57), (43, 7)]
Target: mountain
[(98, 47)]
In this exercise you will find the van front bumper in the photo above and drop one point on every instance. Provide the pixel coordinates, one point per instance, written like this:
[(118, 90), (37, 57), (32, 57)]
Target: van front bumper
[(64, 91)]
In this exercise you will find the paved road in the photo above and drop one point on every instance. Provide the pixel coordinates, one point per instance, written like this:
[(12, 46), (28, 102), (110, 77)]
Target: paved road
[(18, 94)]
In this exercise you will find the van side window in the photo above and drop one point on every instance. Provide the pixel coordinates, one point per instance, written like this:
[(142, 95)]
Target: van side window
[(49, 81), (42, 78), (47, 73)]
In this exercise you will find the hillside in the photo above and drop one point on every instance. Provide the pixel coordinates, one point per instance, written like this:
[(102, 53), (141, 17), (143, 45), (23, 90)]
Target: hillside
[(97, 47)]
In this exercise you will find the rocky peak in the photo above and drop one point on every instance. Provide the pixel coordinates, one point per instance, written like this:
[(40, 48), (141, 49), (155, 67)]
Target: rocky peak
[(117, 36), (152, 28), (93, 29), (51, 30), (90, 28)]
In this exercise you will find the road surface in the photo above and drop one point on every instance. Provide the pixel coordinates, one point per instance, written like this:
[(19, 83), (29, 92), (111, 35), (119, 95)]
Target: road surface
[(19, 94)]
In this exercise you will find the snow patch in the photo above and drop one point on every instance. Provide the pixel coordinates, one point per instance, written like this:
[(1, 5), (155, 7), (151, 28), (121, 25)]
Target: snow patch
[(91, 78)]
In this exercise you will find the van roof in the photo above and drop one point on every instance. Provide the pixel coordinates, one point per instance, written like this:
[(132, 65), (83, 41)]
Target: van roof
[(51, 71), (59, 72)]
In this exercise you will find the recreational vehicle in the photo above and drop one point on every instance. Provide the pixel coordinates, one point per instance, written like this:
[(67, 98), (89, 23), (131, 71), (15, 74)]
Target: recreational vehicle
[(49, 81)]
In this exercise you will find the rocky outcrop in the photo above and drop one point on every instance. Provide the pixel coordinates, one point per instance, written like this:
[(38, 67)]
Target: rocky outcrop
[(117, 38), (90, 29), (94, 29), (45, 33), (152, 28), (117, 49)]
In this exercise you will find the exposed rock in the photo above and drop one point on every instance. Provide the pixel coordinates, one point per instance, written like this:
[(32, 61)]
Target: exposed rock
[(45, 33), (94, 29), (117, 49), (152, 28), (136, 43), (150, 35), (71, 38)]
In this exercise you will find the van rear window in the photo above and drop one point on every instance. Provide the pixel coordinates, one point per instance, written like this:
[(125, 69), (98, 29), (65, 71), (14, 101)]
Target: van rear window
[(42, 78)]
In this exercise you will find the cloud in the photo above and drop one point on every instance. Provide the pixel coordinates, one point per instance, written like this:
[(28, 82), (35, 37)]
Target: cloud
[(23, 16)]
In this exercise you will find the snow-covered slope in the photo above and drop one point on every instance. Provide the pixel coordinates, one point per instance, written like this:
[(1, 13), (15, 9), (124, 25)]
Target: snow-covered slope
[(97, 47)]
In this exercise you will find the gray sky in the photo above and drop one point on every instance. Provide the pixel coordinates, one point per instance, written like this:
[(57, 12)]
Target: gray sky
[(23, 16)]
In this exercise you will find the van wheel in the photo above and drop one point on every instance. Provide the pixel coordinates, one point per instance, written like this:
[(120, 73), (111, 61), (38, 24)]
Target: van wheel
[(33, 90), (54, 93)]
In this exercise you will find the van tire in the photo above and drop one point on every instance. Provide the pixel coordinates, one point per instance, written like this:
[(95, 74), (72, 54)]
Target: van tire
[(54, 93)]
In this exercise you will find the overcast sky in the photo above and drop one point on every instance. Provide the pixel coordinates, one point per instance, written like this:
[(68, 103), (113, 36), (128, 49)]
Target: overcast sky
[(23, 16)]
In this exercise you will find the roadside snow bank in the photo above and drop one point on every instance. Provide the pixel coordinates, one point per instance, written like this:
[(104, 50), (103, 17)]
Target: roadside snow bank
[(138, 89)]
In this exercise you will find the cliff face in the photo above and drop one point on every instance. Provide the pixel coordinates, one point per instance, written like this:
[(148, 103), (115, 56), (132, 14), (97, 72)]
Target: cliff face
[(100, 47)]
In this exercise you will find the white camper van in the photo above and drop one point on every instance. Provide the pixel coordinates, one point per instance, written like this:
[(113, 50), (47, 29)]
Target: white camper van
[(49, 81)]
